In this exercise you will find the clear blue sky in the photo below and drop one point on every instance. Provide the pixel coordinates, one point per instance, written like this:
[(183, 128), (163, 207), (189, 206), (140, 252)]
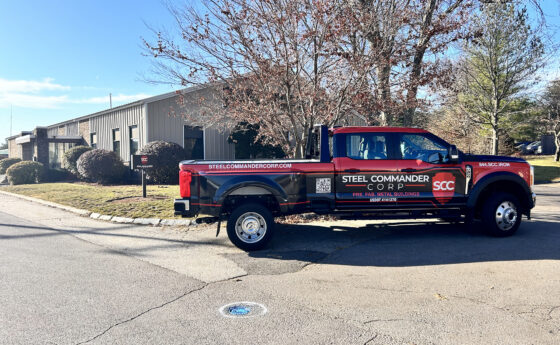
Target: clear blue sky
[(60, 59)]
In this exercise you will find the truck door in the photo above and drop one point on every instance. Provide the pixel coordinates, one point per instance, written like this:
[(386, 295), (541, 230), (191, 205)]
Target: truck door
[(363, 163), (429, 179)]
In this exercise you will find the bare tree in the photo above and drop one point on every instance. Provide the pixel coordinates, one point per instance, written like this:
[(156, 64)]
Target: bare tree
[(282, 64), (499, 65), (551, 114), (409, 39)]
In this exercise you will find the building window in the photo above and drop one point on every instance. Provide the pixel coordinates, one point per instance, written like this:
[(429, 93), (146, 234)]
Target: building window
[(54, 161), (93, 140), (56, 154), (193, 142), (133, 132), (117, 141)]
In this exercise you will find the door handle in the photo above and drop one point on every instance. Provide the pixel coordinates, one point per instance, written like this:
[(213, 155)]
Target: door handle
[(353, 171), (408, 170)]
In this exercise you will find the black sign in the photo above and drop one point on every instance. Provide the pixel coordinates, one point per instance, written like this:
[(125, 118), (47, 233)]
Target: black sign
[(142, 162)]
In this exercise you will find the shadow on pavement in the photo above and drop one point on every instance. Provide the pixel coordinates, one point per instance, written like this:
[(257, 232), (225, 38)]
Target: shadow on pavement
[(413, 244), (45, 231)]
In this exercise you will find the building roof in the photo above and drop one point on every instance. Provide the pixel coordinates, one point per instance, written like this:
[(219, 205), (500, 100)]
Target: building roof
[(18, 135), (135, 103)]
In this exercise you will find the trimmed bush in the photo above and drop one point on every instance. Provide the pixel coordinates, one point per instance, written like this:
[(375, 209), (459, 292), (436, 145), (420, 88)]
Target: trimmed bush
[(101, 166), (25, 172), (6, 163), (166, 161), (71, 157)]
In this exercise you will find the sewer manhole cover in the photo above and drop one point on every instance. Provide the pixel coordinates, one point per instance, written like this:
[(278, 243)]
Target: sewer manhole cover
[(243, 309)]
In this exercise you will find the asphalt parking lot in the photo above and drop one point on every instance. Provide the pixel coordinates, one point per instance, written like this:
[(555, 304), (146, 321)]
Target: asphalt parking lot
[(71, 280)]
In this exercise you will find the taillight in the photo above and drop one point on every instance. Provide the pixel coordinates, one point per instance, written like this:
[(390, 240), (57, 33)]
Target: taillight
[(185, 178)]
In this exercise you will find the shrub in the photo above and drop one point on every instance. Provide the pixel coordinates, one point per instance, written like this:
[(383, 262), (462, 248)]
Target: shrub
[(71, 157), (6, 163), (25, 172), (166, 161), (101, 166)]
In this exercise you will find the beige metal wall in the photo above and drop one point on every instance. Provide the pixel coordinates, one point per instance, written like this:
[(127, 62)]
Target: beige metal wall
[(166, 120), (103, 126)]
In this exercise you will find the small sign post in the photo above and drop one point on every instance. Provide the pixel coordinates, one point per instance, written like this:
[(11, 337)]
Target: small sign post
[(142, 162)]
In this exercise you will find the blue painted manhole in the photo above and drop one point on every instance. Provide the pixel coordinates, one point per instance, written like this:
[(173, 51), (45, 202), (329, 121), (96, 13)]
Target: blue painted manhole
[(239, 310), (243, 309)]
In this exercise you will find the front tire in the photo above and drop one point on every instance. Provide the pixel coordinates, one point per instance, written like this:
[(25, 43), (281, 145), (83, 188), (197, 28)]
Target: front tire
[(501, 214), (250, 227)]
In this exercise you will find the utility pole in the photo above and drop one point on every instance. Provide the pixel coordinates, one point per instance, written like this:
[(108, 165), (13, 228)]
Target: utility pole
[(110, 101)]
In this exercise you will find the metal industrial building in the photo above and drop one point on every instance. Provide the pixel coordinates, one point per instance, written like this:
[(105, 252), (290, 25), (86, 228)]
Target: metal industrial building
[(129, 127)]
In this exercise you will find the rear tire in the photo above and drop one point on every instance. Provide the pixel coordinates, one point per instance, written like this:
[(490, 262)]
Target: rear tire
[(501, 214), (250, 227)]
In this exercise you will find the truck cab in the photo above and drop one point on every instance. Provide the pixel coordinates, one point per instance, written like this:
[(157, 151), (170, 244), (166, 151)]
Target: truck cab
[(359, 173)]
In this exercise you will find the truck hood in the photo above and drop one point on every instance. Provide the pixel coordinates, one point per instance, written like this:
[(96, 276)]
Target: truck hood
[(490, 158)]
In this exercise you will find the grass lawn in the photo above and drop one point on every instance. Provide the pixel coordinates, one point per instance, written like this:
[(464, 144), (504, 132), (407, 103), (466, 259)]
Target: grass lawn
[(546, 169), (122, 201)]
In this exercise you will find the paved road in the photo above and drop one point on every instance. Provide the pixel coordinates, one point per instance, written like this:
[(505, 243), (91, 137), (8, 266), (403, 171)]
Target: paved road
[(69, 280)]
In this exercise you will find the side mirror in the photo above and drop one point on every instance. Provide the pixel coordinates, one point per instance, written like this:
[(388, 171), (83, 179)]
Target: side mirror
[(453, 154)]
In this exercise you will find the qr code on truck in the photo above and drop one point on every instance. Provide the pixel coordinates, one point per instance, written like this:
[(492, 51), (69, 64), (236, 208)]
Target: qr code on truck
[(323, 185)]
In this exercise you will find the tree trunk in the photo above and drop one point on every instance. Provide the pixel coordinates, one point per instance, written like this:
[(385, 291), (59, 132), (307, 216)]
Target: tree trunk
[(384, 75), (412, 90), (557, 153), (495, 141), (417, 63)]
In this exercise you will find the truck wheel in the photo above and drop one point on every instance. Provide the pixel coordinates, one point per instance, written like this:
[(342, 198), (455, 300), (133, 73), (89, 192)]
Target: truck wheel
[(500, 214), (250, 227)]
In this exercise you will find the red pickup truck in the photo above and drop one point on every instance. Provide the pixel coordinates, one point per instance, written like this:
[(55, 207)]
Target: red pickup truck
[(359, 173)]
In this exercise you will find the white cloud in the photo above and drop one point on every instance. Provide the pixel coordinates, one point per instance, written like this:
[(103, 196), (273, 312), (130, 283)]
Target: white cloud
[(38, 94), (31, 101), (30, 86), (120, 98)]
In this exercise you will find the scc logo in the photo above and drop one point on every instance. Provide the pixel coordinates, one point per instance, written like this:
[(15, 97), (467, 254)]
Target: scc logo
[(443, 186)]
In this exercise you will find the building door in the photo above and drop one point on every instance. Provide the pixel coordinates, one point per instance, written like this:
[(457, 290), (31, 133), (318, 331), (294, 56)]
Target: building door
[(193, 142)]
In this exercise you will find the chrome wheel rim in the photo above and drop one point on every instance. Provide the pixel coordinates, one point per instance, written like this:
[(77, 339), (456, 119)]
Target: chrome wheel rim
[(506, 215), (250, 227)]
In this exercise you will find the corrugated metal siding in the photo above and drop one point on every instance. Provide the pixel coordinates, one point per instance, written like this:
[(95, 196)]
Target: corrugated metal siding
[(52, 132), (72, 129), (166, 121), (216, 144), (104, 124)]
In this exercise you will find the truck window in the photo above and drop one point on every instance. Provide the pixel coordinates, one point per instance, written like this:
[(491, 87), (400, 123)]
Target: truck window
[(415, 146), (366, 146)]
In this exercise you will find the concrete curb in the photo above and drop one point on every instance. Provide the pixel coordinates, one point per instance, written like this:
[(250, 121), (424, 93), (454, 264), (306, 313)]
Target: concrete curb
[(98, 216)]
